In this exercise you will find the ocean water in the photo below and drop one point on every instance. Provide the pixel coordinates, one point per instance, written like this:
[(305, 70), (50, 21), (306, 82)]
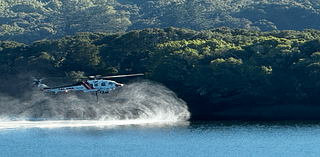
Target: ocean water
[(159, 138)]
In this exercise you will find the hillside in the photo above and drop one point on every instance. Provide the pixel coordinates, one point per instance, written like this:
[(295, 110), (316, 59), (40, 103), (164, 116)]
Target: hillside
[(221, 73), (26, 21)]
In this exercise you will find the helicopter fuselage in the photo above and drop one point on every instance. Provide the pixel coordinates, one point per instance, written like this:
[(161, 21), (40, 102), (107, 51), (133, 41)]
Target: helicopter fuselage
[(102, 86)]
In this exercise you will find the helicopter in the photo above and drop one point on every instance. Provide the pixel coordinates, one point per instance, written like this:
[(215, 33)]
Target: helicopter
[(94, 84)]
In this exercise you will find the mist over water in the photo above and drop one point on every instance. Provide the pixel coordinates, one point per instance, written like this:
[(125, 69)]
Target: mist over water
[(136, 101)]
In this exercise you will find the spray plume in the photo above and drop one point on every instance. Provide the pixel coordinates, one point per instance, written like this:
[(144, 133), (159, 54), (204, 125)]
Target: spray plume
[(141, 100)]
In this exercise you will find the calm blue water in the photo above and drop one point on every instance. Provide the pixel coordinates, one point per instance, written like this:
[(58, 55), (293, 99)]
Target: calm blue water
[(243, 139)]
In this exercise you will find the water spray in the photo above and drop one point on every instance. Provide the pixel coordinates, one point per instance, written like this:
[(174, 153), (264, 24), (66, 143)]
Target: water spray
[(136, 101)]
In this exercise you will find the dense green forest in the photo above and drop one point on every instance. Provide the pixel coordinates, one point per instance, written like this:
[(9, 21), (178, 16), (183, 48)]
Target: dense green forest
[(216, 71), (26, 21), (232, 58)]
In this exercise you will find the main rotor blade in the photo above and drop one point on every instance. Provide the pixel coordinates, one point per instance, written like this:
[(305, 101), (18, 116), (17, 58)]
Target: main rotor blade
[(34, 78), (95, 77), (116, 76)]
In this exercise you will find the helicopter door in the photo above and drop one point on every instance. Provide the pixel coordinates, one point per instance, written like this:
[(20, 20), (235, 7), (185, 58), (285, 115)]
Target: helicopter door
[(95, 85), (103, 85)]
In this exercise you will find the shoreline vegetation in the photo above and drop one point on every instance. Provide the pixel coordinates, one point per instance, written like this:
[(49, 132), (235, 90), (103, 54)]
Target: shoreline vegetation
[(220, 73), (228, 59)]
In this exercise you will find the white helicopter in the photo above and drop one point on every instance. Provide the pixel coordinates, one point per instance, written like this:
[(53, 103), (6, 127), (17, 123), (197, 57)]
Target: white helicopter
[(101, 85)]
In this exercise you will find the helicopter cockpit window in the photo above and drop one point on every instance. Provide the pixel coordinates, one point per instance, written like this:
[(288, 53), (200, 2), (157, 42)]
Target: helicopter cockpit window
[(103, 84)]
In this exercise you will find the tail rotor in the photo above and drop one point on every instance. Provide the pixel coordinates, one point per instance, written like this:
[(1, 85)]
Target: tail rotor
[(38, 83)]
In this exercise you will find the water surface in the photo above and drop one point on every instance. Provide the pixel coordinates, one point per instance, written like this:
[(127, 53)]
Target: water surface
[(220, 138)]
